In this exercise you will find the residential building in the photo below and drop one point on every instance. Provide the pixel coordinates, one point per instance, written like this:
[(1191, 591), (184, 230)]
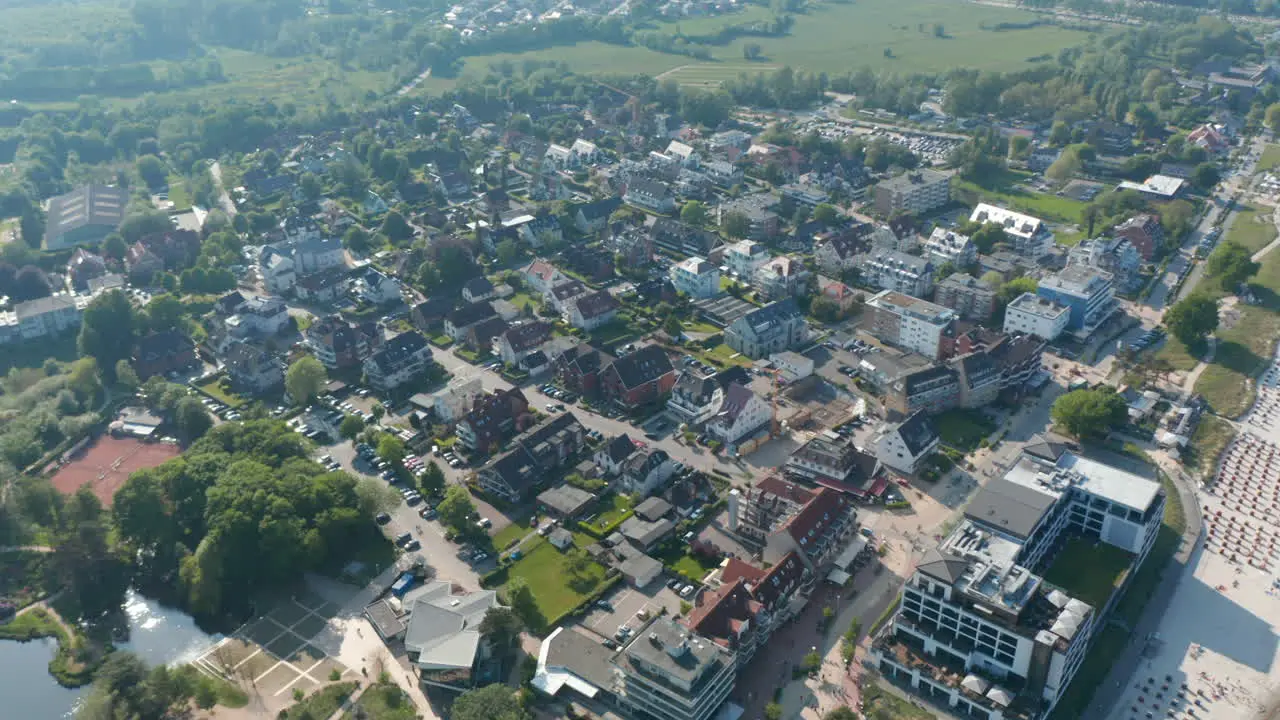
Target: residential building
[(916, 191), (83, 267), (542, 230), (340, 344), (258, 316), (634, 246), (540, 276), (278, 274), (1210, 138), (804, 194), (968, 296), (780, 278), (520, 340), (837, 292), (770, 329), (477, 289), (1028, 236), (518, 473), (1029, 313), (978, 628), (142, 264), (783, 517), (791, 366), (910, 323), (726, 139), (565, 292), (1088, 293), (722, 173), (590, 218), (695, 398), (593, 310), (163, 352), (979, 379), (491, 421), (762, 222), (1114, 256), (611, 456), (744, 257), (898, 271), (317, 255), (579, 368), (741, 415), (676, 238), (839, 253), (685, 155), (746, 604), (931, 389), (696, 277), (829, 460), (401, 359), (251, 369), (452, 402), (1145, 233), (639, 378), (668, 673), (84, 216), (458, 321), (1017, 355), (650, 195), (905, 445), (374, 287), (443, 639), (945, 246), (645, 471)]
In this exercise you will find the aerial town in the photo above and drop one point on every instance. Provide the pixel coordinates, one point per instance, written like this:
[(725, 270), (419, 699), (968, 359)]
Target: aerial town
[(549, 396)]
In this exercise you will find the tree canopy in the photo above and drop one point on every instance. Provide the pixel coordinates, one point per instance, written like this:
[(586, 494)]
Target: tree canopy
[(107, 330), (305, 379), (1232, 263), (492, 702), (1090, 412), (1192, 319)]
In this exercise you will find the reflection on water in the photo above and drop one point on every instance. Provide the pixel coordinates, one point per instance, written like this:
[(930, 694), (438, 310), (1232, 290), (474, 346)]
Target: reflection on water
[(157, 634)]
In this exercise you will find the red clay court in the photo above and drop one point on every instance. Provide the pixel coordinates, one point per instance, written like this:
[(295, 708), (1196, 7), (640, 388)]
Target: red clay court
[(105, 464)]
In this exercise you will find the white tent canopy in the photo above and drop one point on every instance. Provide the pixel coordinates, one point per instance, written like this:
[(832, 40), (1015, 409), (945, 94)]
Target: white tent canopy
[(1000, 696), (975, 684)]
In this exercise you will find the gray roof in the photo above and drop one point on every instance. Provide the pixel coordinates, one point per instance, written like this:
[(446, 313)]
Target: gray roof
[(917, 432), (675, 652), (85, 206), (1009, 507), (571, 650), (620, 448), (645, 533), (566, 499), (947, 568), (639, 566), (444, 628), (653, 508)]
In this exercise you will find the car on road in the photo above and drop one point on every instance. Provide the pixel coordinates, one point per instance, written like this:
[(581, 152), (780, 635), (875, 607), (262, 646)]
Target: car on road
[(413, 545), (650, 436), (382, 518), (403, 538), (428, 513)]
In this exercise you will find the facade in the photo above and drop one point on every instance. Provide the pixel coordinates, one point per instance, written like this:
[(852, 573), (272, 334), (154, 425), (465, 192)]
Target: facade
[(251, 369), (491, 421), (746, 604), (519, 473), (455, 399), (969, 297), (1088, 293), (762, 222), (519, 341), (792, 366), (639, 378), (83, 267), (592, 310), (1114, 256), (830, 460), (401, 359), (932, 390), (898, 271), (645, 471), (696, 277), (1145, 233), (258, 316), (673, 236), (579, 369), (773, 328), (744, 257), (44, 317), (1029, 236), (978, 627), (317, 255), (339, 344), (163, 352), (84, 216), (1029, 313), (458, 321), (781, 278), (667, 672), (945, 246), (695, 398), (904, 446), (741, 415), (540, 276), (910, 323), (917, 191), (650, 195)]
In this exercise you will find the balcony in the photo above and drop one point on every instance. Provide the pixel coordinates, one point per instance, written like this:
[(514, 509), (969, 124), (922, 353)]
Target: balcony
[(950, 672)]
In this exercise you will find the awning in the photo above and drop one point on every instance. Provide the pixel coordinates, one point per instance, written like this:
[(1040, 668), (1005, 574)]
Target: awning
[(1000, 696), (877, 487), (838, 577), (975, 684)]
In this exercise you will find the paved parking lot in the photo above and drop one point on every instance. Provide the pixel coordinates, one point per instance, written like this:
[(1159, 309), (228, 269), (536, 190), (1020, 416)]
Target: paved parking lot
[(626, 602)]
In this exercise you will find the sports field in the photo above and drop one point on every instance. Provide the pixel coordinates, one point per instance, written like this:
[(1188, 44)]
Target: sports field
[(831, 37), (107, 462)]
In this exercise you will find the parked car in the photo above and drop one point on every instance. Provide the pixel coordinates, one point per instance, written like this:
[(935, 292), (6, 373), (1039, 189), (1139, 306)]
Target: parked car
[(382, 518)]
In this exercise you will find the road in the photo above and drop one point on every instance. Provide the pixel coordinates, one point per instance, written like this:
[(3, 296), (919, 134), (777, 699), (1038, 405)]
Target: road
[(224, 199), (415, 82)]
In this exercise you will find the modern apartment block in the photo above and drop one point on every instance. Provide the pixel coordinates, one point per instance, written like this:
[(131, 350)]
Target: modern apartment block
[(1087, 292), (918, 191), (1029, 236), (1029, 313), (967, 295), (909, 322), (669, 673), (979, 628)]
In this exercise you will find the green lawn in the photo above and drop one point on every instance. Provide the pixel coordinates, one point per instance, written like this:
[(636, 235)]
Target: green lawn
[(543, 568), (1270, 157), (1209, 440), (881, 704), (723, 355), (384, 702), (1253, 227), (619, 508), (213, 387), (320, 704), (1006, 192), (1088, 571), (178, 194), (694, 567), (963, 429), (1097, 664), (508, 535), (1177, 355), (1243, 350)]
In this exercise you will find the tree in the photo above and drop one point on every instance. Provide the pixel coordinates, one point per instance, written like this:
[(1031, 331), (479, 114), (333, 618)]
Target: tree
[(841, 713), (735, 224), (751, 51), (773, 711), (1015, 288), (1232, 264), (986, 237), (29, 283), (192, 419), (492, 702), (350, 427), (1019, 146), (1273, 117), (693, 213), (126, 378), (391, 448), (432, 479), (305, 379), (1090, 412), (153, 172), (310, 186), (356, 239), (107, 330), (672, 327), (164, 312), (502, 627), (1059, 134), (396, 227), (84, 379), (1192, 319), (378, 411), (1176, 217), (138, 225), (1065, 167), (520, 599), (1205, 176), (826, 214), (507, 252), (456, 509)]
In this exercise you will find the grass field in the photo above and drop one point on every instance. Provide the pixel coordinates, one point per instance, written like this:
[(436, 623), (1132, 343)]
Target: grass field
[(384, 701), (1176, 353), (542, 561), (508, 535), (1007, 193), (1253, 227), (832, 38), (178, 194), (1089, 571), (962, 429), (1243, 350), (1270, 158), (1208, 441)]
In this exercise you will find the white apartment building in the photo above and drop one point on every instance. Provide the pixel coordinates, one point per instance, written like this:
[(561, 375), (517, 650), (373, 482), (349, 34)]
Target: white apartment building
[(917, 191), (909, 322), (1028, 235), (696, 277), (979, 628), (743, 258), (1029, 313), (667, 672), (457, 398), (946, 246)]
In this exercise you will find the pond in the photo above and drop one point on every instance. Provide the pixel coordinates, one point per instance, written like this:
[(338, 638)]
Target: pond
[(158, 634)]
